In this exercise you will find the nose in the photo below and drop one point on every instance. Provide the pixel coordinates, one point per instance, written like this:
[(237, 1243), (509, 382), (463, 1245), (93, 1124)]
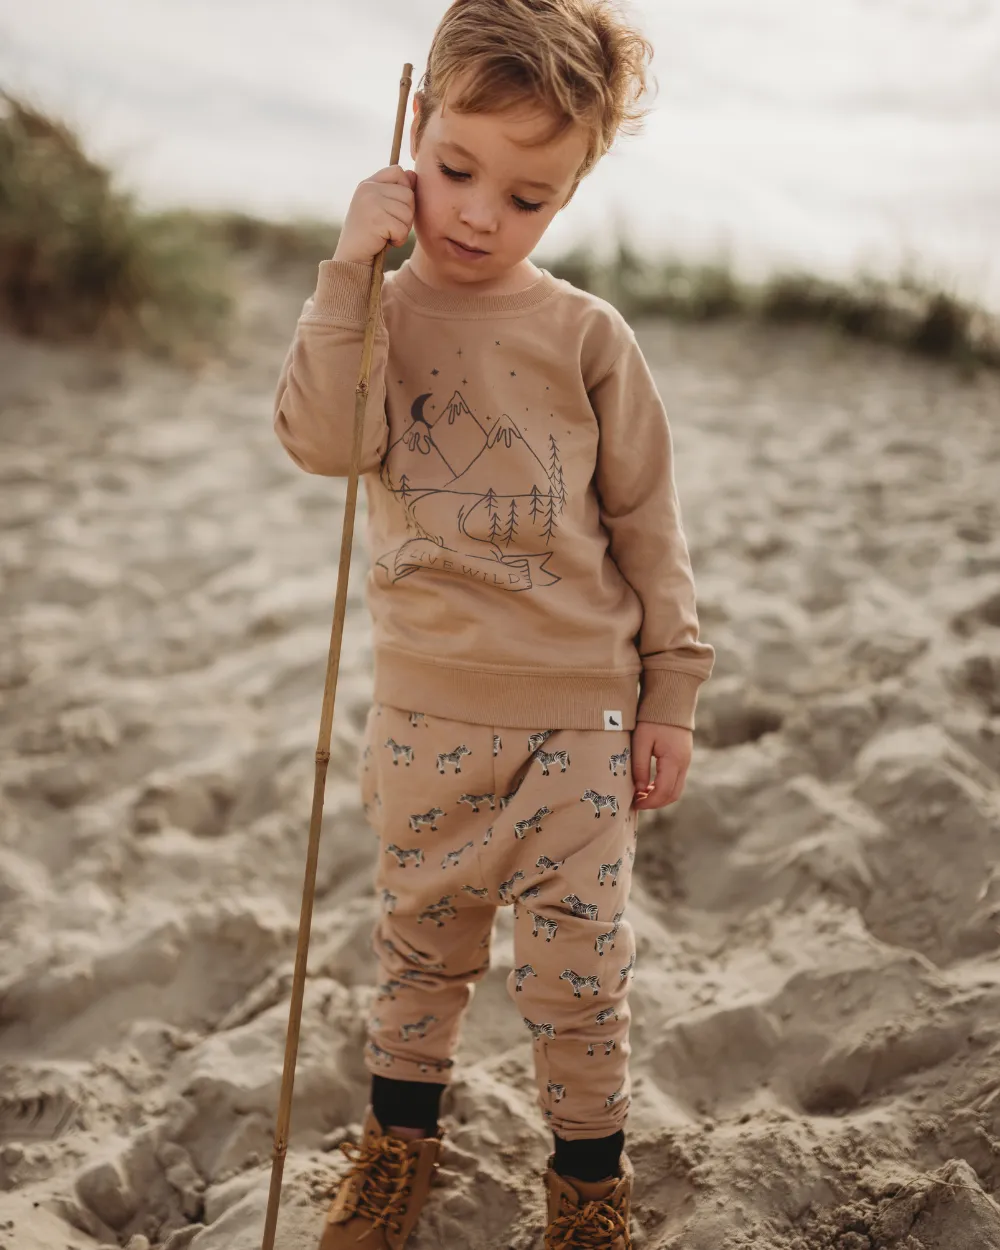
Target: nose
[(479, 215)]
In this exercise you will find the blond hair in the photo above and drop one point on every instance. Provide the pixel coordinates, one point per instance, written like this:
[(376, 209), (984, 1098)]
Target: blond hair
[(578, 59)]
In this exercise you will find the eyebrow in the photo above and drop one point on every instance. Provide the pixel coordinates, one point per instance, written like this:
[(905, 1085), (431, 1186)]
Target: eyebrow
[(527, 182)]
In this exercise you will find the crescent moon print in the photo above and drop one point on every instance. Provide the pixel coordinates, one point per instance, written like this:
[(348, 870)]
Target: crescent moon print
[(478, 500)]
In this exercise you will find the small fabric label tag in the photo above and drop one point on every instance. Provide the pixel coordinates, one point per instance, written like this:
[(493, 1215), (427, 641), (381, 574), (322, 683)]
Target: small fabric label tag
[(612, 720)]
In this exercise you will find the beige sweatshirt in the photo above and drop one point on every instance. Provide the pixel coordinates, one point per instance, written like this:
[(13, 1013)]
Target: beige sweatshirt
[(529, 565)]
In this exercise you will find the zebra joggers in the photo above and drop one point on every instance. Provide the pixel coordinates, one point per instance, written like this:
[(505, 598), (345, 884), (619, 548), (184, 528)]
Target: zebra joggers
[(471, 817)]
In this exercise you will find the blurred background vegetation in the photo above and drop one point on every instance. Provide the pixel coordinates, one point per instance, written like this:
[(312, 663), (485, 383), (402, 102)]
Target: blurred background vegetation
[(79, 258)]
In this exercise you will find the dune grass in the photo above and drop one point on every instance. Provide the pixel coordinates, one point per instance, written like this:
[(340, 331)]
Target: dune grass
[(79, 258)]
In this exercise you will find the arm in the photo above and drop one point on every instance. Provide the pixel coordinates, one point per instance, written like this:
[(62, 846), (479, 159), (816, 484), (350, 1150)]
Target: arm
[(315, 397), (641, 512)]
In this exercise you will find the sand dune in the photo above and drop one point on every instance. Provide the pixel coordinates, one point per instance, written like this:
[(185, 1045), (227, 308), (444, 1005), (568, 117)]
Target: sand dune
[(818, 983)]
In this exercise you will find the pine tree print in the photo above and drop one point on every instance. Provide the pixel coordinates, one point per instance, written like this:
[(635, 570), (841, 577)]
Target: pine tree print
[(511, 530), (550, 519), (536, 502), (494, 527), (556, 472), (404, 488), (491, 502)]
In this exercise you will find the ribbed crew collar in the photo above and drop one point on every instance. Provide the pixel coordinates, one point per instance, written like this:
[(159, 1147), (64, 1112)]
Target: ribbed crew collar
[(469, 303)]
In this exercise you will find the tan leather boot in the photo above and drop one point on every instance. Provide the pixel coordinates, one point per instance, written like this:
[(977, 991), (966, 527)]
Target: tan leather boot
[(378, 1201), (590, 1215)]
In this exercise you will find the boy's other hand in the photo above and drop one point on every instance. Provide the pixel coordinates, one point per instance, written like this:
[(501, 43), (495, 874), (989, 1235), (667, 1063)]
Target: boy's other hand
[(671, 745), (381, 211)]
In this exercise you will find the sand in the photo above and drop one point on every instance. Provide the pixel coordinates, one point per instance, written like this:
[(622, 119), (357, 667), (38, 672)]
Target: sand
[(817, 992)]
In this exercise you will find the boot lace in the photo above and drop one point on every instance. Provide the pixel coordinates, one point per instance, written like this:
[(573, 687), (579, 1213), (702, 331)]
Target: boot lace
[(594, 1226), (383, 1169)]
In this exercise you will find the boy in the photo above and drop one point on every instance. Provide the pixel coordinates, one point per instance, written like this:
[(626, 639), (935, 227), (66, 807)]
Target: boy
[(535, 630)]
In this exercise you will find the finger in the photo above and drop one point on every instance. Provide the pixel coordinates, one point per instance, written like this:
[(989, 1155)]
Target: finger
[(666, 779), (393, 173), (392, 192)]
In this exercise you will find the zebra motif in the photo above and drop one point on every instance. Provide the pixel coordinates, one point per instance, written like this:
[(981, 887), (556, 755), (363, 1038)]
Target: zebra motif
[(630, 852), (400, 752), (419, 1029), (497, 745), (475, 799), (415, 976), (521, 975), (542, 923), (531, 893), (507, 799), (426, 818), (389, 901), (381, 1057), (600, 801), (608, 1014), (548, 758), (471, 889), (488, 836), (439, 912), (411, 957), (403, 857), (521, 827), (452, 858), (540, 1030), (623, 974), (436, 1065), (506, 890), (580, 983), (610, 870), (544, 863), (416, 718), (366, 754), (557, 1091), (586, 911), (388, 989), (612, 1099), (607, 939), (453, 757), (608, 1047), (536, 740), (620, 760)]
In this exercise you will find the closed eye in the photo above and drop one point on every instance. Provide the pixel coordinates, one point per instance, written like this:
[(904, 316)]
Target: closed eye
[(523, 206)]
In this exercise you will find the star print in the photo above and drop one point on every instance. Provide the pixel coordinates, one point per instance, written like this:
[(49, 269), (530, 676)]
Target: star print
[(513, 374), (465, 381), (434, 373), (498, 342), (460, 351)]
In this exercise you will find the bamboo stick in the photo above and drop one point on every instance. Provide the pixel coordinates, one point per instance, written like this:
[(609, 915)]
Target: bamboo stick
[(326, 718)]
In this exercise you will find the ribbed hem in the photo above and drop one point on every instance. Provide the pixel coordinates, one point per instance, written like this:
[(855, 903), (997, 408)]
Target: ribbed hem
[(342, 290), (669, 697), (470, 303), (536, 700)]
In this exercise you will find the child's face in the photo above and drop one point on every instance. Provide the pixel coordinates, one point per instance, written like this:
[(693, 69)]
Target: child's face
[(492, 205)]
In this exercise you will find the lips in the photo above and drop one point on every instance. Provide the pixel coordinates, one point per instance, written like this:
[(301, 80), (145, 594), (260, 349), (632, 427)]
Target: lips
[(480, 251)]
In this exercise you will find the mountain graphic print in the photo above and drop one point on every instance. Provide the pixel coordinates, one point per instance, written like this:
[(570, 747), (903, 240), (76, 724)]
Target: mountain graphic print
[(479, 500)]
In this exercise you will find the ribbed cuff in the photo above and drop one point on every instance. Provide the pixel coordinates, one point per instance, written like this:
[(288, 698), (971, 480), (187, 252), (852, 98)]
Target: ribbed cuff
[(342, 291), (668, 697)]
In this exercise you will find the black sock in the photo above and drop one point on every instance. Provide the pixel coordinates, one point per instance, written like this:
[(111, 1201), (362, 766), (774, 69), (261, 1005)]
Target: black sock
[(593, 1159), (406, 1104)]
